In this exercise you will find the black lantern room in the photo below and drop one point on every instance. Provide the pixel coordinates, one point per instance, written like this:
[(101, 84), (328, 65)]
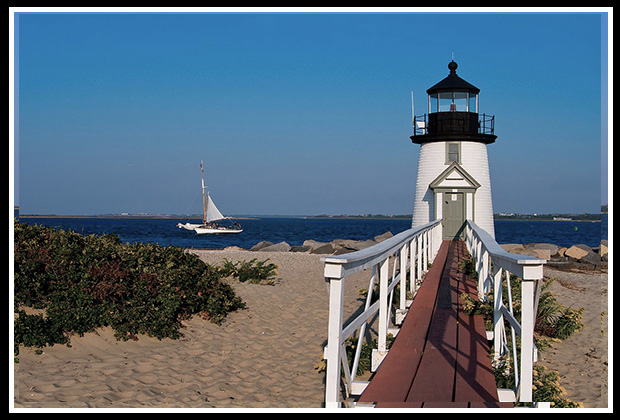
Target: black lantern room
[(453, 113)]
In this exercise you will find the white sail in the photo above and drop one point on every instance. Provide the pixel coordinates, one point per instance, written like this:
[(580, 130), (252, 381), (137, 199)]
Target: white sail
[(213, 213)]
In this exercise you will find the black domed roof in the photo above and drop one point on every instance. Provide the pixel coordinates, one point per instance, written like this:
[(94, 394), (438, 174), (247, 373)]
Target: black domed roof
[(453, 83)]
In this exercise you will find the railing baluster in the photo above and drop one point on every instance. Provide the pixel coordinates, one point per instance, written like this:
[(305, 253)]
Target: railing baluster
[(513, 334), (486, 252), (403, 276), (383, 306), (419, 258), (527, 340), (412, 264), (336, 300), (358, 349), (498, 318)]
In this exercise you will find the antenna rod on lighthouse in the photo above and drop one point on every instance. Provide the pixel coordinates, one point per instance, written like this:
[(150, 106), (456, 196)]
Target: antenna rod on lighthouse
[(412, 111)]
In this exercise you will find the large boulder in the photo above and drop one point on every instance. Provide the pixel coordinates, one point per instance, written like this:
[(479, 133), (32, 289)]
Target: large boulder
[(350, 245), (513, 248), (383, 236), (364, 244), (345, 243), (552, 248), (603, 249), (583, 254), (542, 253), (323, 249), (312, 244), (342, 250), (300, 248), (576, 252), (260, 245), (528, 250), (279, 247)]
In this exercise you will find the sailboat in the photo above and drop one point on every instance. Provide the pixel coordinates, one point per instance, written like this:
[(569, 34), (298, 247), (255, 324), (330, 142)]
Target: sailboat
[(210, 215)]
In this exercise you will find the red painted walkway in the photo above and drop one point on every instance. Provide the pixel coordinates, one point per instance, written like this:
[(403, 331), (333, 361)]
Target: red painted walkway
[(440, 357)]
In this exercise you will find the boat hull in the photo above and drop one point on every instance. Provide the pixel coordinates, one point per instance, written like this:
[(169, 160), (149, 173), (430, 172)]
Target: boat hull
[(215, 231)]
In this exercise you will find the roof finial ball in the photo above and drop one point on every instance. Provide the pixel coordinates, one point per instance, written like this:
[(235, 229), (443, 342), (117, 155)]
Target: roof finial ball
[(452, 66)]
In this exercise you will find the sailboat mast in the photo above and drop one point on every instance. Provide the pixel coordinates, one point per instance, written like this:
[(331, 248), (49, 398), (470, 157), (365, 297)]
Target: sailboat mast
[(204, 202)]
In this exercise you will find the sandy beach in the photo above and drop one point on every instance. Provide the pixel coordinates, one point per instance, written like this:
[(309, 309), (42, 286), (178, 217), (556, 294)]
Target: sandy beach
[(582, 360), (264, 356)]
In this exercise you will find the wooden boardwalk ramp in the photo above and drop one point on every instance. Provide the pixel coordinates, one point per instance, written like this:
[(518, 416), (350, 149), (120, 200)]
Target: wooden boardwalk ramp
[(440, 357)]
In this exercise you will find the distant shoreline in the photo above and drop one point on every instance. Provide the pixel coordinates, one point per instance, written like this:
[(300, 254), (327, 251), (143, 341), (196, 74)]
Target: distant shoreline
[(117, 216), (548, 220), (554, 217)]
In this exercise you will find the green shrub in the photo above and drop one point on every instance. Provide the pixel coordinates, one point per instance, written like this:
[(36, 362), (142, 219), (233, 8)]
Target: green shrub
[(554, 319), (252, 271), (546, 387), (37, 331), (86, 282), (569, 323), (467, 266)]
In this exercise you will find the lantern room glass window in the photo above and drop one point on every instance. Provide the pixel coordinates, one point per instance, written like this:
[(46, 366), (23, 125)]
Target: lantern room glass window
[(445, 101), (433, 103), (473, 103), (459, 102), (453, 101)]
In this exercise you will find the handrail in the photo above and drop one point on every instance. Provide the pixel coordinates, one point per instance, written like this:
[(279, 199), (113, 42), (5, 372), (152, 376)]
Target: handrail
[(491, 262), (414, 249), (365, 258)]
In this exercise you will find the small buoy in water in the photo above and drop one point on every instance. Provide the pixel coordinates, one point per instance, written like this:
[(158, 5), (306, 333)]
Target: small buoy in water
[(575, 228)]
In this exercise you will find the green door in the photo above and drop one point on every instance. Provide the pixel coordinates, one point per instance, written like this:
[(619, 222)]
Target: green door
[(453, 215)]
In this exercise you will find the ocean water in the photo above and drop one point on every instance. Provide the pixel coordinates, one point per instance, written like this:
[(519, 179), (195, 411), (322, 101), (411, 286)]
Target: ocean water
[(295, 231)]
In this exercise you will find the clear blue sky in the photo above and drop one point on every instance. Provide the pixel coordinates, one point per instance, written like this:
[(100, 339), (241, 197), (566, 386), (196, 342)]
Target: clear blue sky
[(298, 113)]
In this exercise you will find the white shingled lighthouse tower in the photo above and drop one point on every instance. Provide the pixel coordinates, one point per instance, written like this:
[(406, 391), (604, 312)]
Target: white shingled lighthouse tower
[(453, 182)]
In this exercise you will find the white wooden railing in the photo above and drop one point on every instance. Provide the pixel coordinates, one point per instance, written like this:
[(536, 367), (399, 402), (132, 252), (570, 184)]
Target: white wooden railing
[(414, 249), (491, 260)]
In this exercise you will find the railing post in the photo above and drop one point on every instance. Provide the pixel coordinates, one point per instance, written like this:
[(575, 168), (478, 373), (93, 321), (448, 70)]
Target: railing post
[(404, 251), (436, 242), (479, 251), (425, 250), (412, 265), (332, 375), (498, 318), (383, 305), (527, 339), (439, 235), (419, 257), (483, 274), (381, 351)]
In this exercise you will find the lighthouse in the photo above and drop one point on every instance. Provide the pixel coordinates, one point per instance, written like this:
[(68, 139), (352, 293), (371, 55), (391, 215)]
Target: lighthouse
[(453, 182)]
